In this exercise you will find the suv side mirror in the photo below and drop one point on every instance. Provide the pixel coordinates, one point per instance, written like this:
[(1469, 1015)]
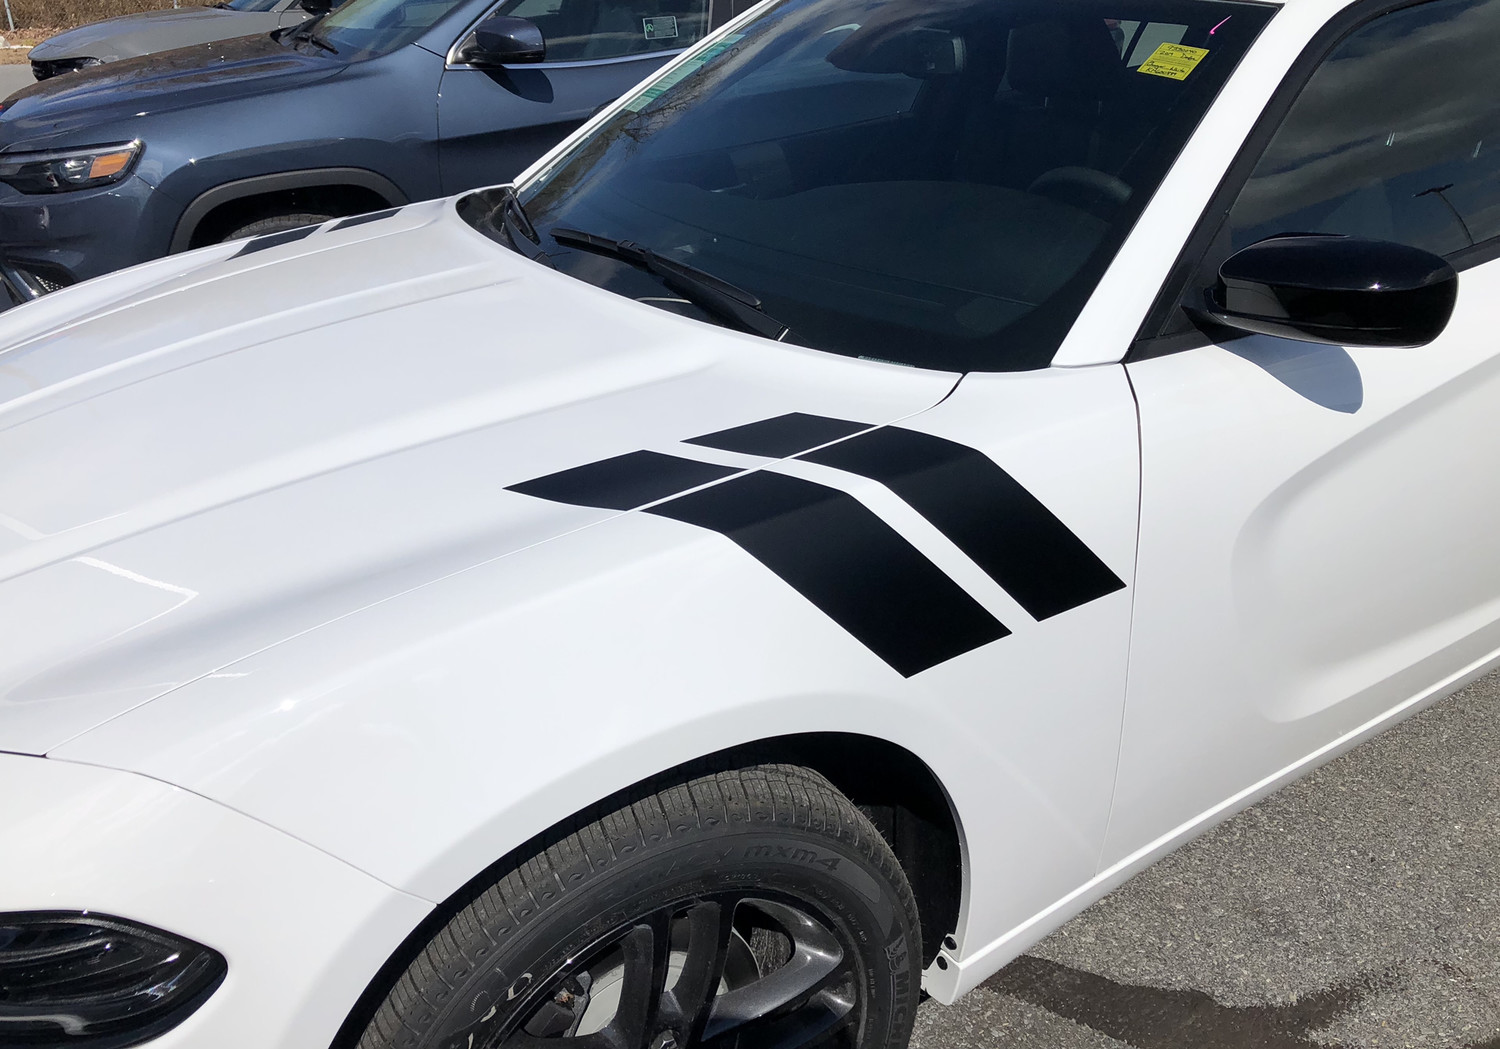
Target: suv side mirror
[(1343, 291), (503, 40), (316, 8)]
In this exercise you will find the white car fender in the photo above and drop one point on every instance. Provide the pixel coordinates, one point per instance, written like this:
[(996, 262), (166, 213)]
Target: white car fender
[(301, 931), (603, 665), (559, 674)]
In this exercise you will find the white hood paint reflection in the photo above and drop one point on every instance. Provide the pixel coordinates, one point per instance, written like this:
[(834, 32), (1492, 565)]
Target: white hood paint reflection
[(191, 476)]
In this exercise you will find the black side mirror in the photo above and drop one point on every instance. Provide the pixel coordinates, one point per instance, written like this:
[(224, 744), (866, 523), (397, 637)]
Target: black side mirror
[(1343, 291), (316, 8), (502, 41)]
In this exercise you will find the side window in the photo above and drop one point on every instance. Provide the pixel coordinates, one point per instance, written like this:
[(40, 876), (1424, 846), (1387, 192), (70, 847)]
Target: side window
[(1396, 137), (588, 30)]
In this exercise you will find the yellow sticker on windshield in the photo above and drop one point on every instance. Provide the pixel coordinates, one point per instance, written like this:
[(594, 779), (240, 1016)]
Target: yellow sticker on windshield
[(1174, 61)]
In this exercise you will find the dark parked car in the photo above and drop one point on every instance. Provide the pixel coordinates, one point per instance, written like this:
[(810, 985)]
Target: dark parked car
[(130, 36), (377, 104)]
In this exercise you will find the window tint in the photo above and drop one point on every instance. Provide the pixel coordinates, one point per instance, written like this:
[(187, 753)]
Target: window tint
[(362, 28), (933, 182), (854, 96), (1395, 137), (581, 30)]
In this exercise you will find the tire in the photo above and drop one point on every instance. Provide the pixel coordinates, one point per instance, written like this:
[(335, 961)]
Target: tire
[(747, 908), (276, 224)]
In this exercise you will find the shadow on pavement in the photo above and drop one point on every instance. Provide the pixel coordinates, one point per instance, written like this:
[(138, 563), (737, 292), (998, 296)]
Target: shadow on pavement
[(1163, 1018)]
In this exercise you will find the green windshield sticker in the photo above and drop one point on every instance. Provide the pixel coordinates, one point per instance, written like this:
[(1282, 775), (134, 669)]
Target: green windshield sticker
[(661, 27)]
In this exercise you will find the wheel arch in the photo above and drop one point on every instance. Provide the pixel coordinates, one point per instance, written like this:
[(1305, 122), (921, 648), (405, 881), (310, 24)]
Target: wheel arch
[(900, 793), (361, 182)]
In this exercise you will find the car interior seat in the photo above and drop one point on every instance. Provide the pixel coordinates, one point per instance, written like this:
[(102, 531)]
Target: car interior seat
[(1051, 110)]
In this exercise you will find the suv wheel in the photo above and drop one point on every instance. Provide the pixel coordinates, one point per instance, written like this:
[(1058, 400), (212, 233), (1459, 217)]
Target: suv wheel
[(276, 224)]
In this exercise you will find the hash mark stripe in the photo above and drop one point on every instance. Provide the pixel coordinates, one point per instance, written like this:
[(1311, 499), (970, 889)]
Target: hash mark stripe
[(272, 240), (623, 482), (849, 563), (780, 437), (984, 511), (360, 220)]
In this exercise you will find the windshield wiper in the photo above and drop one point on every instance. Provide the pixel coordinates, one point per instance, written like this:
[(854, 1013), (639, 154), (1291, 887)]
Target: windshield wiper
[(512, 213), (305, 31), (701, 288)]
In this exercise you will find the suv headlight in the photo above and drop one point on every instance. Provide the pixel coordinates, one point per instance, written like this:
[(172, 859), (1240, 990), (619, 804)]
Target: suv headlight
[(69, 169), (96, 982)]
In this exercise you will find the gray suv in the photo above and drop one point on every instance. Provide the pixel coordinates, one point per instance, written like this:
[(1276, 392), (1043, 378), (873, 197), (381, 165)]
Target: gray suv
[(130, 36), (375, 104)]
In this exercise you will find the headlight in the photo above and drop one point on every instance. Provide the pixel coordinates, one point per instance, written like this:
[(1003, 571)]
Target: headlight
[(68, 169), (95, 982), (45, 70)]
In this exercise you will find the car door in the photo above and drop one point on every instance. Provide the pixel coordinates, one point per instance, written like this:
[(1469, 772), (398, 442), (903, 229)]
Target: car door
[(1317, 536), (494, 122)]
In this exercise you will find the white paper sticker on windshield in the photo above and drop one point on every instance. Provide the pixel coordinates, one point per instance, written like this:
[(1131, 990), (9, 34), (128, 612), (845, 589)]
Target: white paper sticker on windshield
[(661, 27)]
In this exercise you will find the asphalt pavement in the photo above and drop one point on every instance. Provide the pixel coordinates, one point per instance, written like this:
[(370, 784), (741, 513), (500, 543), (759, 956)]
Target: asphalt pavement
[(1355, 909), (13, 78)]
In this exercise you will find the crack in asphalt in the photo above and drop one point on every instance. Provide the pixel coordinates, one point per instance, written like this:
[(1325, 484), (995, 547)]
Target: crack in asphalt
[(1164, 1018)]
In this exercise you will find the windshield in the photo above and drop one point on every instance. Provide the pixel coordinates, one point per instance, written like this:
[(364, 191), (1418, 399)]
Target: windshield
[(365, 28), (938, 183), (249, 5)]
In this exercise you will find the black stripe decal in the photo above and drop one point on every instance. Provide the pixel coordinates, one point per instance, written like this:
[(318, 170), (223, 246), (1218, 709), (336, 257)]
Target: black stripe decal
[(624, 482), (780, 437), (848, 562), (985, 512), (272, 240), (360, 220)]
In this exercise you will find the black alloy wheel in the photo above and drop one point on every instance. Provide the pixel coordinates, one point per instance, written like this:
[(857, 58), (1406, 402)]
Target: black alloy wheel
[(754, 908), (691, 974)]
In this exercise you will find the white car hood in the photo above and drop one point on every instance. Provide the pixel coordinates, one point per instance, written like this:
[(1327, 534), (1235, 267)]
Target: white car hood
[(206, 455)]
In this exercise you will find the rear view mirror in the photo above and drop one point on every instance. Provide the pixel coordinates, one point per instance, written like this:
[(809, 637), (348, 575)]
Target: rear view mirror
[(503, 40), (316, 8), (918, 52), (1343, 291)]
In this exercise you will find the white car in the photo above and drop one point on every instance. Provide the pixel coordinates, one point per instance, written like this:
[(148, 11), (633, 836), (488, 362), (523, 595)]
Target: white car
[(851, 505)]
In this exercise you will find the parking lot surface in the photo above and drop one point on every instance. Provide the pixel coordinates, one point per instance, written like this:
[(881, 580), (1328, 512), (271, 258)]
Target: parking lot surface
[(1357, 908), (13, 78)]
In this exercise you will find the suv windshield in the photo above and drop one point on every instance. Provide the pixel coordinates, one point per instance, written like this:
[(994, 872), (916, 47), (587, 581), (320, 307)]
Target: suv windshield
[(249, 5), (365, 28), (939, 183)]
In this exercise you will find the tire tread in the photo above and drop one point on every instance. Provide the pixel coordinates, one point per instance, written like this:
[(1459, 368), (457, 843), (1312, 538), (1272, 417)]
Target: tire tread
[(577, 850)]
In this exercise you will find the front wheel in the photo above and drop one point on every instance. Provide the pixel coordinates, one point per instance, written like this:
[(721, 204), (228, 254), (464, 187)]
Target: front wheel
[(276, 224), (748, 909)]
